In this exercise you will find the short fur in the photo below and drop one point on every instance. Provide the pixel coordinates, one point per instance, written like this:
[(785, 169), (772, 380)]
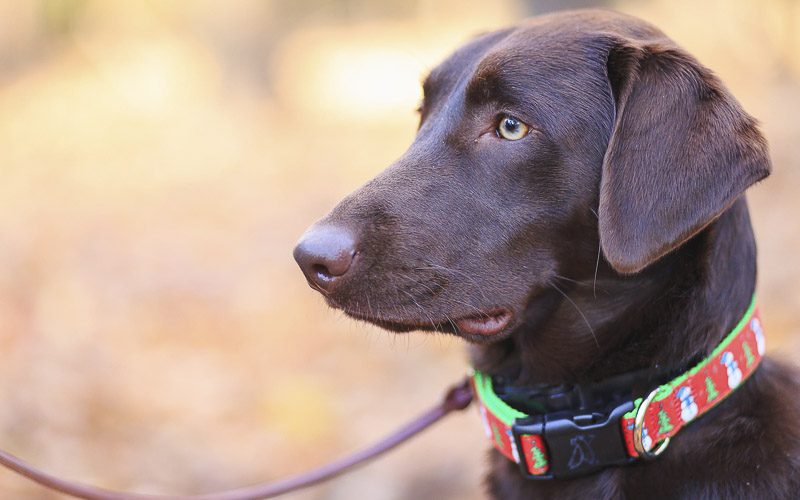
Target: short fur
[(615, 233)]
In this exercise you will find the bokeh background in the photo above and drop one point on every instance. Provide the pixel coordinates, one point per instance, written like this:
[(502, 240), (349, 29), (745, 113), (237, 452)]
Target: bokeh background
[(160, 159)]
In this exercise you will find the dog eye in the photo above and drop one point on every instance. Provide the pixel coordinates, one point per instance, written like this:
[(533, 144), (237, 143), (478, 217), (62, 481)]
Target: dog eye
[(511, 129)]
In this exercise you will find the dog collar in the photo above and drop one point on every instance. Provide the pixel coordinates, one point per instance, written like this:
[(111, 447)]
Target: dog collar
[(568, 443)]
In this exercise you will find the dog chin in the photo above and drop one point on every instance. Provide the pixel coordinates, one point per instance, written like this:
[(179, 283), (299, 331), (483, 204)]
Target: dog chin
[(477, 328)]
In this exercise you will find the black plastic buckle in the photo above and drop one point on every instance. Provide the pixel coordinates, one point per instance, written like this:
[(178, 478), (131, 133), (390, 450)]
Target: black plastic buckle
[(576, 444)]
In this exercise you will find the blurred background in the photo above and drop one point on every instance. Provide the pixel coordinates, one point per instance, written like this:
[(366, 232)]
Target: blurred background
[(160, 159)]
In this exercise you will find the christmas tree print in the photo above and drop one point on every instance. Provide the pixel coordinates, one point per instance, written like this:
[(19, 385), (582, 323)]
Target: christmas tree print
[(497, 438), (538, 457), (710, 389), (748, 353), (663, 421)]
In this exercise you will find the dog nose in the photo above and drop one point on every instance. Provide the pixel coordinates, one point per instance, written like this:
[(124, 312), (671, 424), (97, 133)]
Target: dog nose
[(325, 254)]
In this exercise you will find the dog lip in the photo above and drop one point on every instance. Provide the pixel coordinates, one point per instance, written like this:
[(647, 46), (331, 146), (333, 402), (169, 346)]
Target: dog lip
[(484, 324), (387, 323)]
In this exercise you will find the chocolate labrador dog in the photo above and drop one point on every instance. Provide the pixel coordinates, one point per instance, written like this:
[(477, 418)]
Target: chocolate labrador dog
[(572, 206)]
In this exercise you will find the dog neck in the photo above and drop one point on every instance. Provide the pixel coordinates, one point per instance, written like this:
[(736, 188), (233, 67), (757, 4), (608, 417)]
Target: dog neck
[(666, 317)]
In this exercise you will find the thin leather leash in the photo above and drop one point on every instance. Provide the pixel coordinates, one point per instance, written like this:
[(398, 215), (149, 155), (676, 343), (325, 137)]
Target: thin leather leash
[(457, 398)]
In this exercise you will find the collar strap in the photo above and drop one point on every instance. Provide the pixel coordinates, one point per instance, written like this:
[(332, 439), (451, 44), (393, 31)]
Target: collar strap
[(571, 443)]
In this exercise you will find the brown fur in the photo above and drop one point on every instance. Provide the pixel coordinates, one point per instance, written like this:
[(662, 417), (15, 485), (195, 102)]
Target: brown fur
[(615, 233)]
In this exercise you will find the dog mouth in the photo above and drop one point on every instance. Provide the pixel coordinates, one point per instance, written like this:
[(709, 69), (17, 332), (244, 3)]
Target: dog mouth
[(484, 324), (477, 325)]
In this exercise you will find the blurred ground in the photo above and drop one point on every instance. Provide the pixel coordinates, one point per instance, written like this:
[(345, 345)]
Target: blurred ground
[(159, 161)]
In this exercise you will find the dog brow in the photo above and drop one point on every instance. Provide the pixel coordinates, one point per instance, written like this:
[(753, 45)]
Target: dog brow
[(431, 83), (487, 84), (427, 84)]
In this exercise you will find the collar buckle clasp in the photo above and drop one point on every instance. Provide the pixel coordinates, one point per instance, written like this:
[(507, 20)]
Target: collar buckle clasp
[(577, 443)]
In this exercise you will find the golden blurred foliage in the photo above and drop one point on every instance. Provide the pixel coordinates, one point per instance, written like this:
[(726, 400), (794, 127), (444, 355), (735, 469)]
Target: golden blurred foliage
[(159, 161)]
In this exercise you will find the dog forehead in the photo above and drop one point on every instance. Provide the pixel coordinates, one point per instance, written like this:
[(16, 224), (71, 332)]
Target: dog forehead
[(557, 39), (462, 61), (527, 51), (560, 42), (519, 58), (588, 21)]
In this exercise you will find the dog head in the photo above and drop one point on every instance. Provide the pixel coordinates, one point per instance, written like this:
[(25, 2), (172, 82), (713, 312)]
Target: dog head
[(569, 145)]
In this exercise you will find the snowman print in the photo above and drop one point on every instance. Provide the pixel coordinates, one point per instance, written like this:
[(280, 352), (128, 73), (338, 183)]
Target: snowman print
[(755, 325), (647, 441), (734, 373), (688, 406), (514, 450)]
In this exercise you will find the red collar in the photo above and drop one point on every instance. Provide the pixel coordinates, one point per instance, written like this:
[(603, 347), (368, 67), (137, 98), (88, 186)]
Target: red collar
[(572, 443)]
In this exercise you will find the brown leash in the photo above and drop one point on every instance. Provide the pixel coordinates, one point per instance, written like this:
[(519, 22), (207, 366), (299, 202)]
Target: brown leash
[(457, 398)]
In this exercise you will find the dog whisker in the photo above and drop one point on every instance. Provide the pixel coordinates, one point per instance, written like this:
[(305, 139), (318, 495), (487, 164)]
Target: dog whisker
[(452, 301), (591, 330), (417, 282), (455, 328), (596, 267), (477, 311), (456, 272), (597, 262), (422, 310), (581, 283)]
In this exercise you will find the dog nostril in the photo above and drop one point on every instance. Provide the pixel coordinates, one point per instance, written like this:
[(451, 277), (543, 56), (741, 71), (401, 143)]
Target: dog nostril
[(325, 254), (321, 271)]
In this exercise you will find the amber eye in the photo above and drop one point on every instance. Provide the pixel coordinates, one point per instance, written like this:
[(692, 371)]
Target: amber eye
[(511, 129)]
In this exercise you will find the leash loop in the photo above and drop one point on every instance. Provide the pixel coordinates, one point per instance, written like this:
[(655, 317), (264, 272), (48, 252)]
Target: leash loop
[(457, 398)]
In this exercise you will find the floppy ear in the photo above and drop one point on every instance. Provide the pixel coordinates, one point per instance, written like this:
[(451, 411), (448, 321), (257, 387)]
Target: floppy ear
[(681, 152)]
